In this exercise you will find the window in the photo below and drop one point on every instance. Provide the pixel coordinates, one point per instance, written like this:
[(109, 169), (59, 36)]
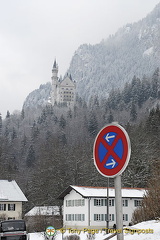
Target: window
[(125, 203), (97, 202), (111, 202), (2, 207), (97, 217), (125, 217), (79, 202), (76, 202), (69, 217), (103, 217), (79, 217), (111, 217), (103, 202), (12, 225), (137, 203), (11, 207)]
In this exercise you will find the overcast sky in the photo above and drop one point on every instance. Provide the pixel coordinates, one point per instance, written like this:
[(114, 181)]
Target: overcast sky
[(35, 32)]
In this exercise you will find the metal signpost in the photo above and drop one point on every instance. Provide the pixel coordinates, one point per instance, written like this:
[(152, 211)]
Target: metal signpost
[(111, 156)]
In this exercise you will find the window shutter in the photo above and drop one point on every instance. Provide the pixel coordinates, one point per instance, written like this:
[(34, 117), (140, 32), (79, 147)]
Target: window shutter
[(102, 217), (101, 202)]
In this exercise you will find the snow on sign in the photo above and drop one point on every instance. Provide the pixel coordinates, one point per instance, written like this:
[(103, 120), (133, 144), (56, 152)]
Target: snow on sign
[(111, 150)]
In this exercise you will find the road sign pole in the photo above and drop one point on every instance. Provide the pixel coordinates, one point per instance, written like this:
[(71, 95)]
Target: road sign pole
[(107, 217), (111, 153), (118, 206)]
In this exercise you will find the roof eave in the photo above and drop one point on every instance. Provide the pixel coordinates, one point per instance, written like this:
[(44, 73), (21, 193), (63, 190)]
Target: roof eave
[(67, 191)]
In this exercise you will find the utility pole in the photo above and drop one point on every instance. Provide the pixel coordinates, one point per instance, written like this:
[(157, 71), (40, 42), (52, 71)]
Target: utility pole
[(107, 217), (119, 213)]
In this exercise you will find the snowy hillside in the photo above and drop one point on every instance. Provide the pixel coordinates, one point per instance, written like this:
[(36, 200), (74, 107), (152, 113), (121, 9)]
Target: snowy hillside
[(144, 226), (97, 69), (133, 50), (38, 97)]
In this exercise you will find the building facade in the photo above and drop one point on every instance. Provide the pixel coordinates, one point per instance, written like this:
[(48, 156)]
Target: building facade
[(87, 206), (63, 91), (41, 216), (11, 199)]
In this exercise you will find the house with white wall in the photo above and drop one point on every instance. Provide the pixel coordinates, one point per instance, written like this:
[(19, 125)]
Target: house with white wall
[(87, 206), (11, 199)]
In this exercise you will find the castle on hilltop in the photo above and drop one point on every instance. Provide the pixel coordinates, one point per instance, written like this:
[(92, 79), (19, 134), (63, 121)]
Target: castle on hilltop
[(63, 91)]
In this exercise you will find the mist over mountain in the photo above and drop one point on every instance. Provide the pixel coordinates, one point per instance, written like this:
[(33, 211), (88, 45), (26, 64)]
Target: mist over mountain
[(98, 69), (133, 50), (50, 147)]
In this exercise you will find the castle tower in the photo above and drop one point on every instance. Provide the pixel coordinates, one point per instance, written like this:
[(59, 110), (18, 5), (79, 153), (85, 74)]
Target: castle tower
[(63, 91), (54, 82)]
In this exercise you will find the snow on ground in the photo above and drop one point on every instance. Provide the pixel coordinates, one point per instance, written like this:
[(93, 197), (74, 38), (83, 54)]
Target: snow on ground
[(148, 52), (149, 226), (36, 236)]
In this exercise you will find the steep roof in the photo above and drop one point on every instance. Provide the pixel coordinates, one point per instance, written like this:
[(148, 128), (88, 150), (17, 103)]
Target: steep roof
[(10, 191), (44, 210), (54, 64), (101, 192), (67, 81)]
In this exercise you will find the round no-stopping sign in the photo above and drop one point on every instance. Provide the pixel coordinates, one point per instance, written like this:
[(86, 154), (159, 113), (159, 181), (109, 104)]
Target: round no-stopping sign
[(112, 150)]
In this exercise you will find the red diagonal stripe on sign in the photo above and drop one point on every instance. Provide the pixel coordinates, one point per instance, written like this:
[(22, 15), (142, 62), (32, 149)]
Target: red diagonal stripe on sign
[(110, 150)]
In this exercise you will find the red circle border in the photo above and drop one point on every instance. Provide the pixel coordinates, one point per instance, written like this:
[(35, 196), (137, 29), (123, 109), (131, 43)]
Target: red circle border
[(126, 150)]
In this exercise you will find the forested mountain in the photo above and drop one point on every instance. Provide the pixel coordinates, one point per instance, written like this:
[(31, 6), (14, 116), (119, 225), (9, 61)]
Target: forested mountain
[(46, 148), (39, 97), (133, 50), (47, 152), (98, 69)]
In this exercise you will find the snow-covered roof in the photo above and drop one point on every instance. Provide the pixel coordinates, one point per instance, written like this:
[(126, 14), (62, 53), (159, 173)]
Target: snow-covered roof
[(10, 191), (44, 210), (101, 192)]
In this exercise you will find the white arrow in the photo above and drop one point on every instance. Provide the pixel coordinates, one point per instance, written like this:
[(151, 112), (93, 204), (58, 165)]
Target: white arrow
[(108, 137), (111, 163)]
